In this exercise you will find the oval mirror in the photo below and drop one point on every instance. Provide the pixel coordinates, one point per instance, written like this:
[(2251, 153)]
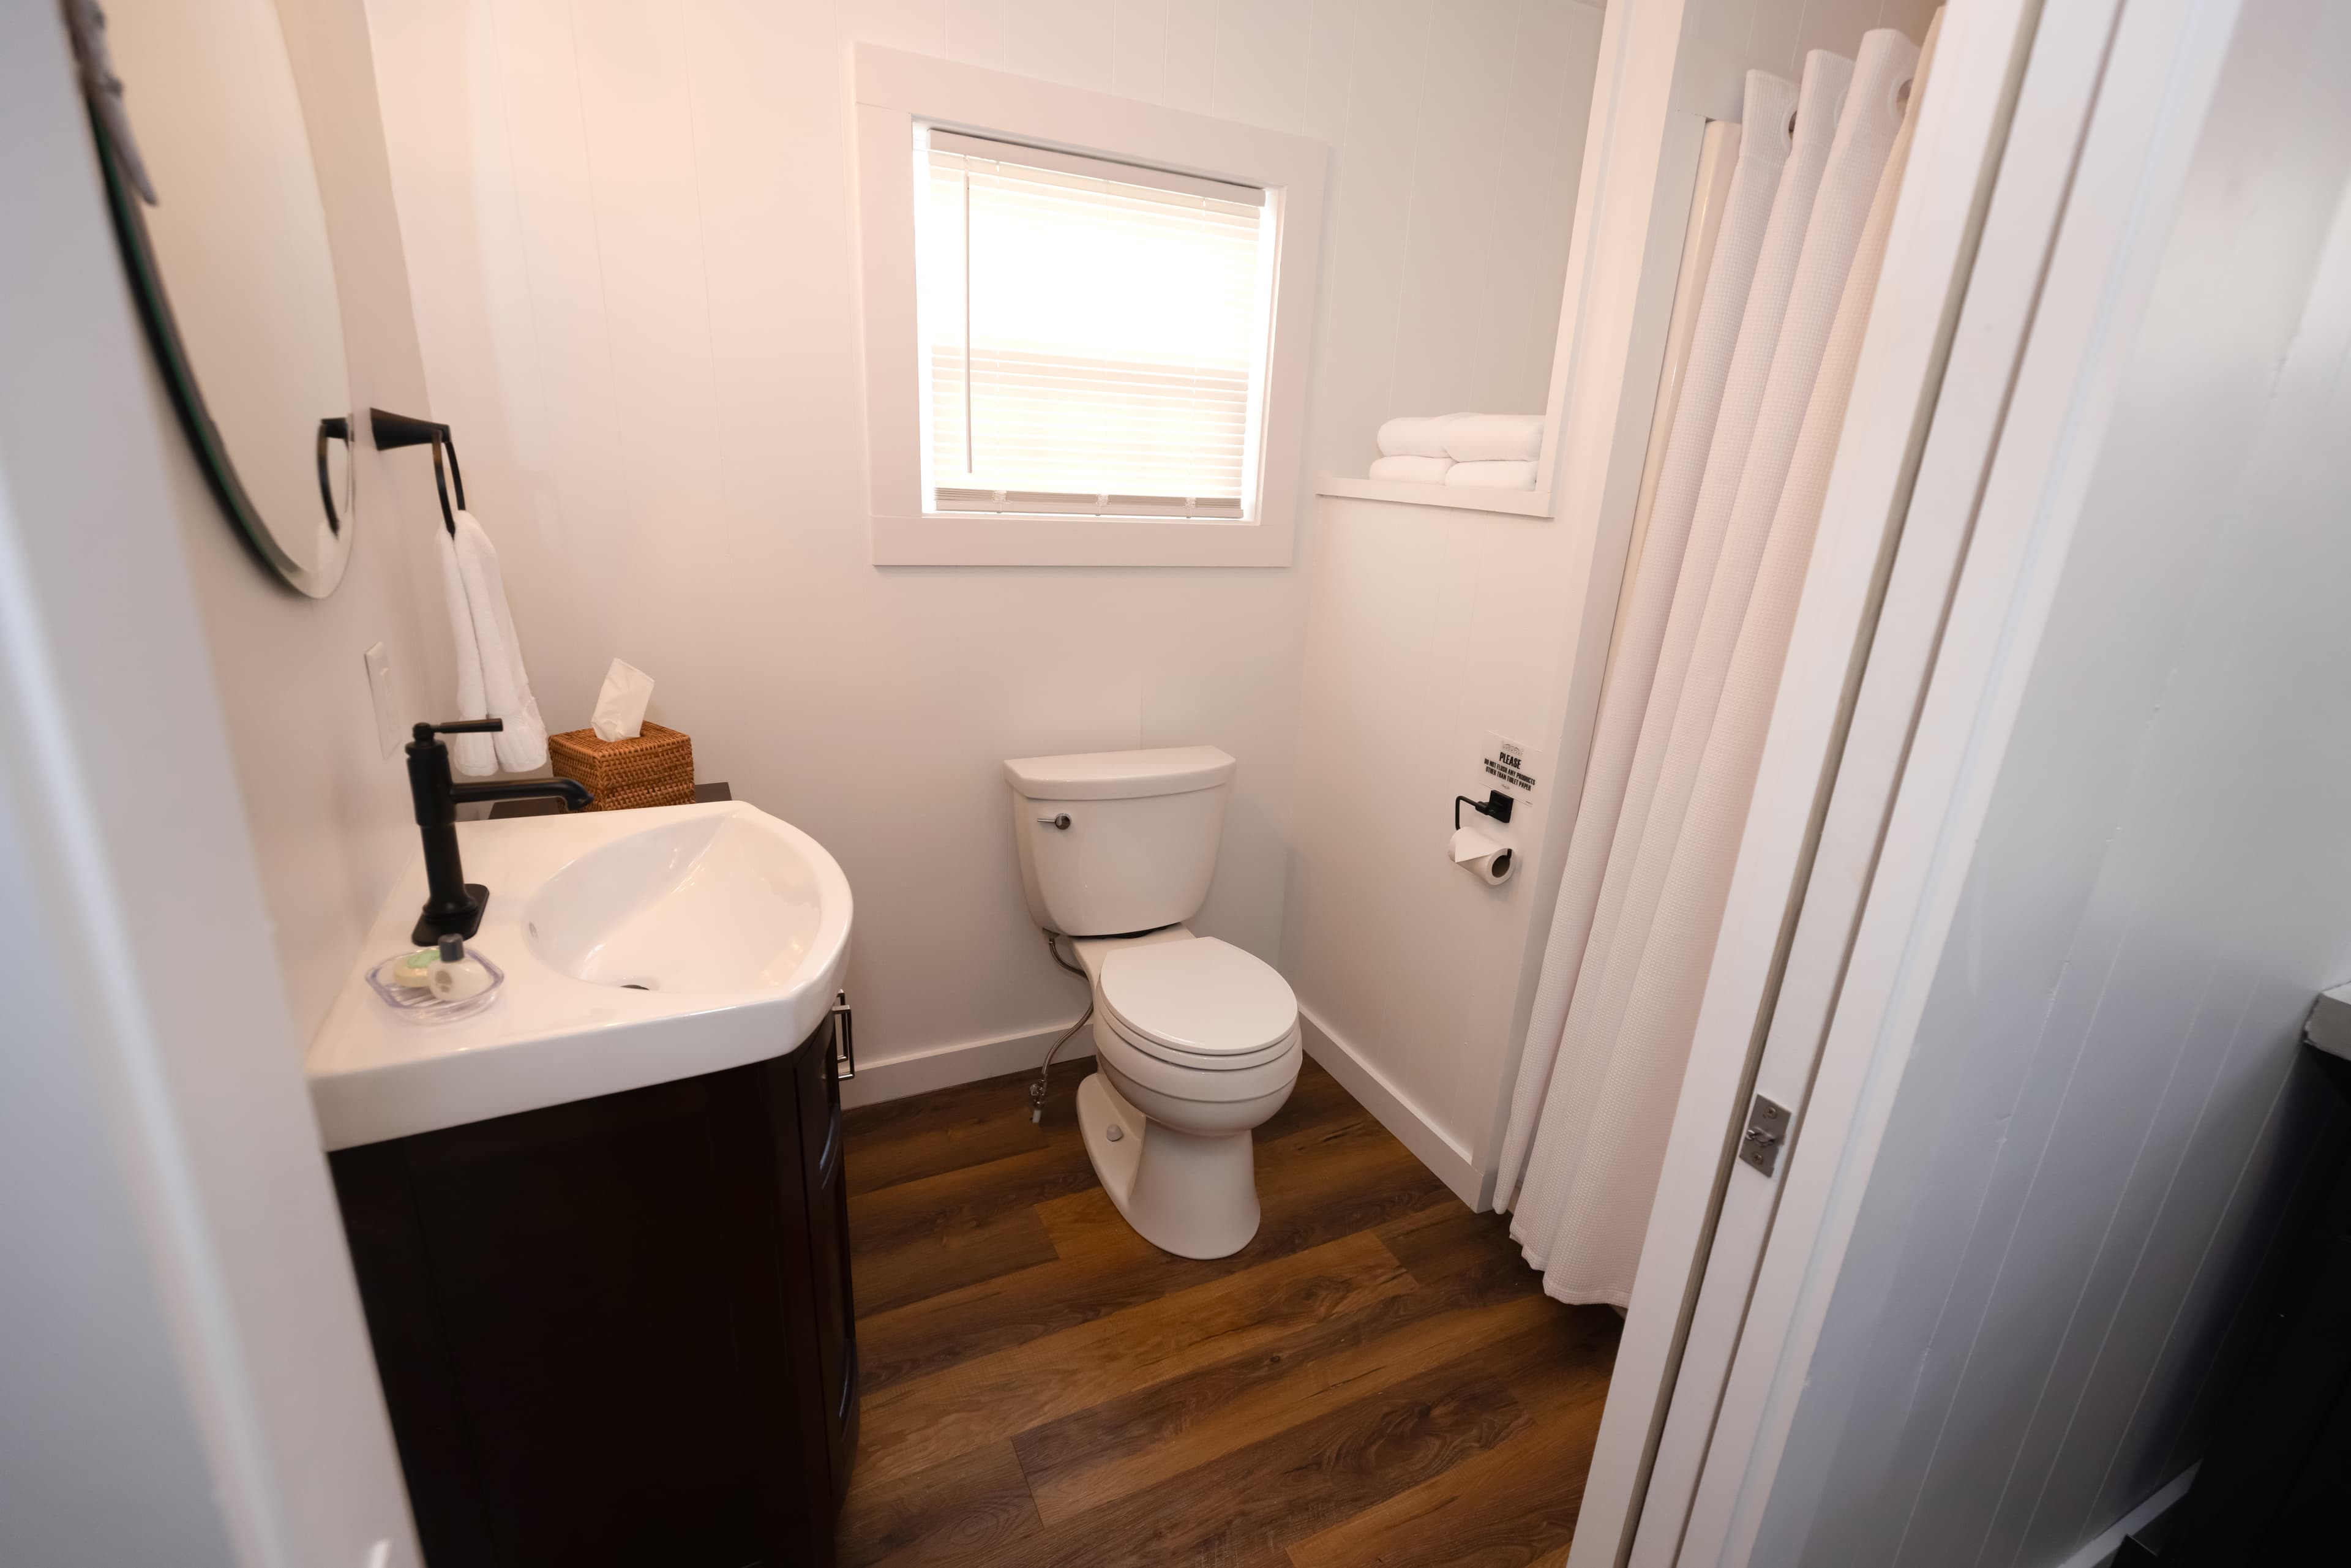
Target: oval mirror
[(217, 208)]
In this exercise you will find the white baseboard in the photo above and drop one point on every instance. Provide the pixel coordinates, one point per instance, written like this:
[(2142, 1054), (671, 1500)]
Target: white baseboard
[(966, 1061), (1434, 1147), (2099, 1552)]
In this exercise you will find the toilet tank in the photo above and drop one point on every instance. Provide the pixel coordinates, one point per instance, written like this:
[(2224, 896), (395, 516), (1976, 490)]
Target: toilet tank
[(1141, 845)]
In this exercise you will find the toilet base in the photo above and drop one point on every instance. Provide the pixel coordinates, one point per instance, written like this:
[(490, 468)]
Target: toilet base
[(1190, 1194)]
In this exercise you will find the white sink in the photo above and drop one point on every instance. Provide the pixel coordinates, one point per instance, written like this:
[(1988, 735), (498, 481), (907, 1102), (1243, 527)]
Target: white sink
[(638, 946), (706, 902)]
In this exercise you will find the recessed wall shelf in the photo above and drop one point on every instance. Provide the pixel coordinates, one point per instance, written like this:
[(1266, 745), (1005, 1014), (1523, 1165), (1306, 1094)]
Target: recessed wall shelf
[(1523, 502)]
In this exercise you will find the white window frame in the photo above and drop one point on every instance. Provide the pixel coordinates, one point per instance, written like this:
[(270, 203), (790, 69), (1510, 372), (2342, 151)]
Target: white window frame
[(896, 92)]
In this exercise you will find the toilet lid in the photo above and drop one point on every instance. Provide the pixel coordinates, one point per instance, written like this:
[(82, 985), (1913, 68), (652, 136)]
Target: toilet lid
[(1204, 997)]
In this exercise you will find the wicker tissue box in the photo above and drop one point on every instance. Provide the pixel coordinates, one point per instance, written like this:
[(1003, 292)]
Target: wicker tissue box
[(656, 769)]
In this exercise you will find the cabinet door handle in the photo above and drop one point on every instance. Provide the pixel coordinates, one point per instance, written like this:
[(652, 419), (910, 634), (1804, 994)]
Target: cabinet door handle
[(844, 1039)]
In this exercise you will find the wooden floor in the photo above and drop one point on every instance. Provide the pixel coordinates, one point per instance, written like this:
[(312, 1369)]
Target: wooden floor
[(1374, 1380)]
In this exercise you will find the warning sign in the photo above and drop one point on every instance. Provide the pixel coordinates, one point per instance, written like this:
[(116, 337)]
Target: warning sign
[(1506, 764)]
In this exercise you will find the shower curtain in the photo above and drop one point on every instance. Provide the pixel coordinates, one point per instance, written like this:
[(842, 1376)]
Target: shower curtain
[(1687, 697)]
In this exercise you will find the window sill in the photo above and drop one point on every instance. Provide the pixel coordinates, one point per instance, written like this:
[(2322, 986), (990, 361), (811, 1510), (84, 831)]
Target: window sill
[(997, 539), (1522, 502)]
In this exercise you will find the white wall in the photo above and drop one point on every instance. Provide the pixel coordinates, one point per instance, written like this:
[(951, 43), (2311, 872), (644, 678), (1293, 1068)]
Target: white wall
[(185, 1375), (1429, 629), (631, 236), (2104, 1118), (92, 1409), (329, 814)]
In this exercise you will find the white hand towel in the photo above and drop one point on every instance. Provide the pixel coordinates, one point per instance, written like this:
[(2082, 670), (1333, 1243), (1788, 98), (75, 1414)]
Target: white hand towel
[(1412, 470), (472, 755), (1492, 475), (1415, 436), (505, 683), (1494, 437)]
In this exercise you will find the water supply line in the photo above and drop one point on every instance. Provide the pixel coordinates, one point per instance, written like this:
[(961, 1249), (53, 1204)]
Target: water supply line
[(1037, 1090)]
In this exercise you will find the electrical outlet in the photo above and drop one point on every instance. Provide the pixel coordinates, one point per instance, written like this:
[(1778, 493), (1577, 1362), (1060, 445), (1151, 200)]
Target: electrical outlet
[(387, 710)]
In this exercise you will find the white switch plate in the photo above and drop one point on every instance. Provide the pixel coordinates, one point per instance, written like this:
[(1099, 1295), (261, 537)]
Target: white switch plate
[(387, 711)]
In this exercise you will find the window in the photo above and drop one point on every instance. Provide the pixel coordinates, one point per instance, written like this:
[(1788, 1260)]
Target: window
[(1086, 323), (1093, 333)]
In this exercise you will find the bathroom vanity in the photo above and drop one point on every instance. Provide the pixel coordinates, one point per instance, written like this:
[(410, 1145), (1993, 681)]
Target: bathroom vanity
[(600, 1227), (619, 1331)]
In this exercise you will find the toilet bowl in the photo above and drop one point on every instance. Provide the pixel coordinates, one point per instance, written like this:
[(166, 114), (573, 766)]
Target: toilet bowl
[(1196, 1044), (1197, 1040)]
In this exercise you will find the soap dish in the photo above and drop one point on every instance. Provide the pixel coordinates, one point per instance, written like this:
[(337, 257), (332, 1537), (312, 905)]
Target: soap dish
[(416, 1004)]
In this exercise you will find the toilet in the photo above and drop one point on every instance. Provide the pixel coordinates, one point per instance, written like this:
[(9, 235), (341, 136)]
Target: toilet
[(1195, 1042)]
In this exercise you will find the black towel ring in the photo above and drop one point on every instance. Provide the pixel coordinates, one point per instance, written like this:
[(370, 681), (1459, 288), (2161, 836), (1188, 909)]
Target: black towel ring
[(394, 430)]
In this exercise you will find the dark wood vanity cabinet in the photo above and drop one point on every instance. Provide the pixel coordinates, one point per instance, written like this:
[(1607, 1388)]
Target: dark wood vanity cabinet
[(619, 1331)]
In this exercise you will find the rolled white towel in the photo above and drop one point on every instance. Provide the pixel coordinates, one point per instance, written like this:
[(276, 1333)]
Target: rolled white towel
[(1416, 436), (1412, 470), (505, 682), (1496, 475), (1494, 437), (473, 754)]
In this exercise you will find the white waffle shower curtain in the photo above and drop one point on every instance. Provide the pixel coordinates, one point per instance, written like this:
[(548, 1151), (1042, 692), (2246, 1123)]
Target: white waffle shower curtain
[(1688, 692)]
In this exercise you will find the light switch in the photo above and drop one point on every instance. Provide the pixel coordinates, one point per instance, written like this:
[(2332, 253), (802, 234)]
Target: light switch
[(387, 711)]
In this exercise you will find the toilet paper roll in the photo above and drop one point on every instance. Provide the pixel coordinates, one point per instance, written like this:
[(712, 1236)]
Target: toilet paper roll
[(1486, 858)]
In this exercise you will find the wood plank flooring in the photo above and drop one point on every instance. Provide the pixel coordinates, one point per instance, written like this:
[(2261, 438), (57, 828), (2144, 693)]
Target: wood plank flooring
[(1375, 1380)]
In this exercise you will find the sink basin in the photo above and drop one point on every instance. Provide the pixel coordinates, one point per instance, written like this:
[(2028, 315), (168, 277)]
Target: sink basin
[(639, 947), (708, 903)]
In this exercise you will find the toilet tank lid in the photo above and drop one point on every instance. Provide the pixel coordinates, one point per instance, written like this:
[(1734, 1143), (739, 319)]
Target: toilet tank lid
[(1118, 775)]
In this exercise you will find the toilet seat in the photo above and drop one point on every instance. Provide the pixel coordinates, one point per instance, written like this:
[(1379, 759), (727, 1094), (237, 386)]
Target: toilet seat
[(1271, 1072), (1201, 1005)]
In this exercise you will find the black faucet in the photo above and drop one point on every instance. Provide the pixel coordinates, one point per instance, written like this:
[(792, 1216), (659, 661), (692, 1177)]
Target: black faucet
[(454, 905)]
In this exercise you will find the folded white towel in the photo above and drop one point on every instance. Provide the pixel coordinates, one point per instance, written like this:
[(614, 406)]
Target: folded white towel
[(504, 685), (1412, 470), (1494, 437), (1416, 436), (1491, 476)]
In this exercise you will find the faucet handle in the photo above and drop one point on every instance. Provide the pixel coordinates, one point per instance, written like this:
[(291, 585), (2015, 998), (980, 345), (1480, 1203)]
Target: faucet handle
[(425, 732)]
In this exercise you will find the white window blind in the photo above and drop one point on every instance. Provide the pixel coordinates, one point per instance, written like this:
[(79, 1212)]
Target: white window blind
[(1094, 334)]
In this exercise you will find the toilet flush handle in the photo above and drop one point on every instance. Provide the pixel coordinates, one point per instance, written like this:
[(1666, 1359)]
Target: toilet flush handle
[(1061, 821)]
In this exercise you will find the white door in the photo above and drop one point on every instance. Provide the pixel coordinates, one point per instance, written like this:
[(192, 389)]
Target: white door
[(2112, 104), (1997, 167), (1712, 1218), (2005, 113)]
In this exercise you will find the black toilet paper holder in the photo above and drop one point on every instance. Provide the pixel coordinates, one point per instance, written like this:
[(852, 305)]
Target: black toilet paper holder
[(1496, 805)]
